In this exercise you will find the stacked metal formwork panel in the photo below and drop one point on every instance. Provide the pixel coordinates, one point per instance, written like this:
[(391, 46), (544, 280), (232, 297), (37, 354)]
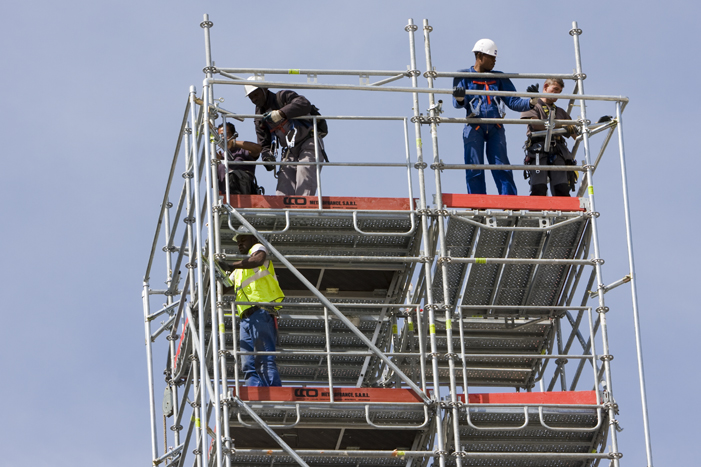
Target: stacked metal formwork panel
[(395, 311)]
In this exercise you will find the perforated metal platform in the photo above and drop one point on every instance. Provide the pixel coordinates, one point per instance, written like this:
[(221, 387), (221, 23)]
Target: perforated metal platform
[(570, 424), (491, 337), (514, 330), (305, 420)]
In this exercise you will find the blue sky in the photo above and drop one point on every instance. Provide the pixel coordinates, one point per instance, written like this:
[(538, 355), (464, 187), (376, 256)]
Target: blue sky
[(94, 95)]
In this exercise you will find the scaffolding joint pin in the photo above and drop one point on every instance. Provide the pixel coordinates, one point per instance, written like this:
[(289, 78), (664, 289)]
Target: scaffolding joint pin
[(440, 165), (187, 175), (581, 76), (411, 27), (602, 309), (606, 358), (597, 261), (420, 165), (445, 259), (191, 265), (206, 24), (575, 32)]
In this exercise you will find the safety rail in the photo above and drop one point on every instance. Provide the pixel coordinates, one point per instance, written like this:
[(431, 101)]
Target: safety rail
[(505, 274)]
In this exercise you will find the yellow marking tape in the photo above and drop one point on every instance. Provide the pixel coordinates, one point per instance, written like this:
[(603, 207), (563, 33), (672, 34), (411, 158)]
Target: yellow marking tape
[(222, 328), (418, 142), (394, 329), (432, 329), (448, 324), (480, 260), (411, 326), (293, 72), (591, 189)]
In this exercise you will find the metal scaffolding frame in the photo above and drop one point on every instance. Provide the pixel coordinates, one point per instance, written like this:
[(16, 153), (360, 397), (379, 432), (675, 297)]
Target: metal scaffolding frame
[(442, 301)]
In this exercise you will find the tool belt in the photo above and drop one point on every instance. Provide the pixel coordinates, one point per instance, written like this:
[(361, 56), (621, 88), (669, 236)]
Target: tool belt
[(252, 309)]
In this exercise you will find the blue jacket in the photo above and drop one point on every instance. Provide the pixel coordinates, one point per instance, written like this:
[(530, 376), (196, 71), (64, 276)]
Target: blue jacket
[(488, 106)]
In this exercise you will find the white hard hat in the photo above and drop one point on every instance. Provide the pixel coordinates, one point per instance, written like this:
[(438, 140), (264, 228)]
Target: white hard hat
[(249, 88), (486, 46), (240, 232)]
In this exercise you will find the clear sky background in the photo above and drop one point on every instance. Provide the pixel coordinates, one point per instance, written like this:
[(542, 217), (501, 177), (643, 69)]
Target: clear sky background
[(95, 92)]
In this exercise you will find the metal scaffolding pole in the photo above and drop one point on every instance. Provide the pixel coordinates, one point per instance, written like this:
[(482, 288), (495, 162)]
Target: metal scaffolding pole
[(634, 290), (602, 309), (196, 256), (427, 249), (434, 111)]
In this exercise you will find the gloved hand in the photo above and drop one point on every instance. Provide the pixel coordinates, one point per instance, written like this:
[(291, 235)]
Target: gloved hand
[(533, 88), (274, 116), (268, 156), (533, 102), (459, 93), (605, 118), (572, 130), (572, 176)]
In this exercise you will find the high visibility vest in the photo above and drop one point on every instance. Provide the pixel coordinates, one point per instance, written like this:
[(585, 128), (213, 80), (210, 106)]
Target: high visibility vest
[(256, 285)]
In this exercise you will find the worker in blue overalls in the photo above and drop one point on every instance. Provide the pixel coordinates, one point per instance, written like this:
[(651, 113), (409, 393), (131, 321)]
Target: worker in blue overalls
[(476, 136)]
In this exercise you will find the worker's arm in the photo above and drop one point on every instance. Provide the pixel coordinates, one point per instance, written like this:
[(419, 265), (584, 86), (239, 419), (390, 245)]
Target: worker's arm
[(255, 260), (253, 148), (293, 105)]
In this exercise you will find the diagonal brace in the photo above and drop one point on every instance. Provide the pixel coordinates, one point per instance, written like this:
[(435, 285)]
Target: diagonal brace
[(325, 301)]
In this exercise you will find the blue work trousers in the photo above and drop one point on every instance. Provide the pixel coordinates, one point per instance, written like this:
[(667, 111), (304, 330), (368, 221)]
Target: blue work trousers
[(258, 333), (474, 138)]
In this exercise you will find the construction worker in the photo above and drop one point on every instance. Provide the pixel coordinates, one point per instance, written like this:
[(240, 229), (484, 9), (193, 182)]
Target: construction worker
[(294, 136), (476, 136), (557, 154), (242, 178), (255, 281)]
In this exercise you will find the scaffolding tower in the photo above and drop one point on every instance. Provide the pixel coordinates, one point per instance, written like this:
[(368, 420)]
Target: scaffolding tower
[(458, 332)]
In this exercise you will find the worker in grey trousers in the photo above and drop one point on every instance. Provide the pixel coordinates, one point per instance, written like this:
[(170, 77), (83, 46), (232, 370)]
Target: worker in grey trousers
[(295, 137)]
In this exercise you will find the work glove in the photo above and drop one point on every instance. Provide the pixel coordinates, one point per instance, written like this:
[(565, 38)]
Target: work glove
[(268, 156), (533, 88), (573, 176), (572, 130), (459, 92), (605, 118), (274, 116), (533, 102)]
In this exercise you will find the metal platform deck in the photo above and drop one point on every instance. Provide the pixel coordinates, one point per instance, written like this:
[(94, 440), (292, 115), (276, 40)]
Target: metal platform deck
[(511, 328), (306, 420), (556, 423)]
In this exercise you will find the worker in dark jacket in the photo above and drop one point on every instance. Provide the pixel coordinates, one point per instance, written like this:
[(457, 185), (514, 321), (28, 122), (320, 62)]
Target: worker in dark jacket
[(476, 136), (242, 177), (557, 153), (294, 136)]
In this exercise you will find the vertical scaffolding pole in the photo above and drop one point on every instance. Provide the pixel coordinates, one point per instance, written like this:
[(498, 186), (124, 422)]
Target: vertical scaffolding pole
[(421, 166), (171, 342), (196, 255), (433, 114), (602, 309), (634, 288), (212, 192), (149, 364)]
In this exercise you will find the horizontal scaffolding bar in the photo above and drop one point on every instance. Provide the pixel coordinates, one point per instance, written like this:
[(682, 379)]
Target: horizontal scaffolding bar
[(549, 168), (310, 71), (350, 117), (396, 453), (414, 305), (360, 353), (578, 262), (475, 92), (468, 74)]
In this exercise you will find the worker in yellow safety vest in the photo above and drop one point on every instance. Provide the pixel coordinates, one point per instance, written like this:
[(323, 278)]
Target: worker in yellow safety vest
[(255, 281)]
